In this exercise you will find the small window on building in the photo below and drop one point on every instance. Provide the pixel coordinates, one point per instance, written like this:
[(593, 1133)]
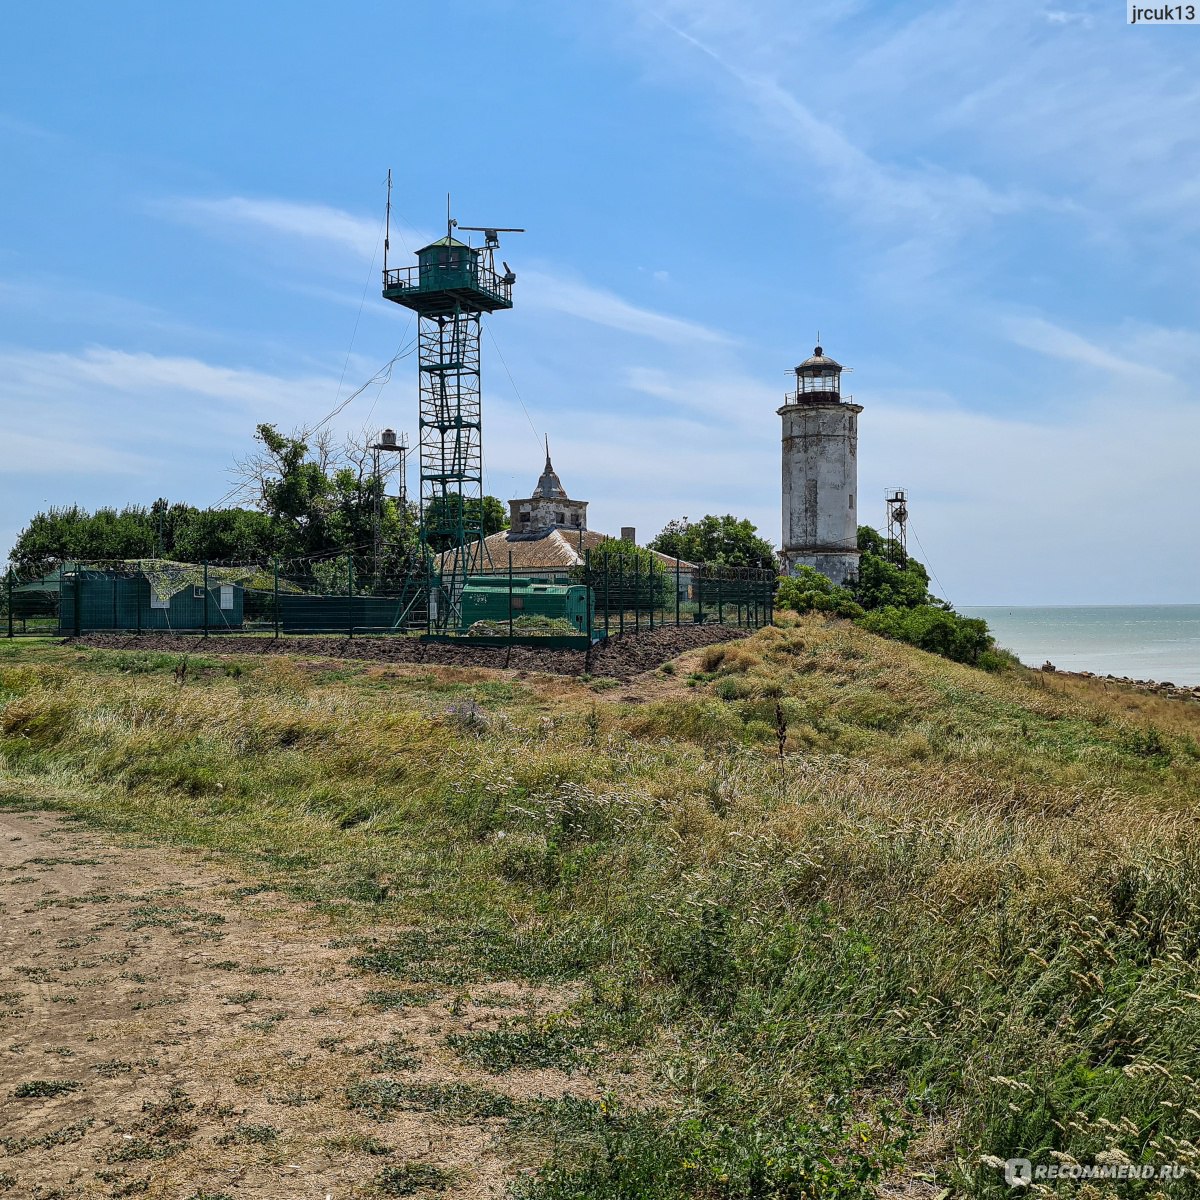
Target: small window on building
[(227, 596), (560, 518), (524, 516), (198, 592), (155, 602), (575, 518), (851, 499)]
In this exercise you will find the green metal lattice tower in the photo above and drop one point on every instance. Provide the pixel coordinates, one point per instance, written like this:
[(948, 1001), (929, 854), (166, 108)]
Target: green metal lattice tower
[(450, 288)]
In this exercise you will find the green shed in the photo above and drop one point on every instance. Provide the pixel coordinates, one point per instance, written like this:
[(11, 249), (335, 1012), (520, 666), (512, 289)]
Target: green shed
[(91, 599), (487, 598)]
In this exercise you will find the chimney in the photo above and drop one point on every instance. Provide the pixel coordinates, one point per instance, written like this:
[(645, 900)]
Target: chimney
[(628, 534)]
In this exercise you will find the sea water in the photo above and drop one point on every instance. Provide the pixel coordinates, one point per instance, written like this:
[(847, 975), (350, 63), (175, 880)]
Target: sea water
[(1145, 641)]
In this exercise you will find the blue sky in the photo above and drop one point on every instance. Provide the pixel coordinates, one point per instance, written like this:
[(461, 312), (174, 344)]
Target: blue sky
[(990, 211)]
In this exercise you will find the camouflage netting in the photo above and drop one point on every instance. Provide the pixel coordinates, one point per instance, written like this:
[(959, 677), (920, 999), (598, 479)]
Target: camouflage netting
[(168, 578)]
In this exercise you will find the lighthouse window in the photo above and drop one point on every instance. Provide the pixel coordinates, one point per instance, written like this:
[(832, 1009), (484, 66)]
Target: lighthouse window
[(851, 499)]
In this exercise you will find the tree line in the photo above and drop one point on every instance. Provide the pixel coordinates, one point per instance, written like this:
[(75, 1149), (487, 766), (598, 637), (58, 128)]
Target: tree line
[(310, 499)]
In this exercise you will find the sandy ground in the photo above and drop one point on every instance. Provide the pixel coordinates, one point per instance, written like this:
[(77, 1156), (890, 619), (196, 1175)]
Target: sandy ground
[(207, 1032)]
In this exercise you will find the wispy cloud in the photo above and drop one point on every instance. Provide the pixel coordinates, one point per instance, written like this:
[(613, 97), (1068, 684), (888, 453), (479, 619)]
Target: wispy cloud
[(544, 289), (876, 192), (138, 375), (558, 293), (361, 236), (1036, 333)]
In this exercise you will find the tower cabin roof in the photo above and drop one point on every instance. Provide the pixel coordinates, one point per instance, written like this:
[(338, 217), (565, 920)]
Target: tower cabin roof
[(442, 242), (819, 364)]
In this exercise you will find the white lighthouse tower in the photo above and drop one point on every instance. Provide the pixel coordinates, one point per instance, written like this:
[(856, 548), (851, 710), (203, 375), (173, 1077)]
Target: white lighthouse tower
[(820, 472)]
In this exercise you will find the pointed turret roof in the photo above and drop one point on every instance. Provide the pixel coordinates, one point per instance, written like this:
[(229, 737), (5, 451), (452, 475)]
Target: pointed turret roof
[(549, 486)]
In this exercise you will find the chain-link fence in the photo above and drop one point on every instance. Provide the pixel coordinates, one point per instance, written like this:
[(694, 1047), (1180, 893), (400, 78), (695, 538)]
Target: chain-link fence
[(623, 590)]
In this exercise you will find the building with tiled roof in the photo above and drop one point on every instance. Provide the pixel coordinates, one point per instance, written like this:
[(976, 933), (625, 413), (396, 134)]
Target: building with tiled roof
[(549, 535)]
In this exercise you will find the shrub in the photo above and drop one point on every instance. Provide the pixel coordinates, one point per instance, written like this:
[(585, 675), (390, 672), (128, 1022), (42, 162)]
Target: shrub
[(810, 591), (938, 630)]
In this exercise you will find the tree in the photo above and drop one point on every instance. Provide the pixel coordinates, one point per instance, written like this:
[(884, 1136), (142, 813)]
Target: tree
[(441, 516), (718, 541), (627, 575), (881, 582)]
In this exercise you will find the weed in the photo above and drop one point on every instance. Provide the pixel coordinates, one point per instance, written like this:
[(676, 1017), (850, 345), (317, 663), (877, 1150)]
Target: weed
[(499, 1050), (42, 1088), (393, 1056), (386, 1001), (411, 1178), (246, 1134), (267, 1023), (112, 1067), (63, 1136), (242, 997), (381, 1097)]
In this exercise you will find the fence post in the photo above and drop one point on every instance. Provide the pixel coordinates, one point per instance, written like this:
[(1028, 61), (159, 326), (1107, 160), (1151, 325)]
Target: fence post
[(510, 599), (621, 591), (637, 593), (114, 600), (699, 577), (653, 582), (677, 589), (275, 565), (590, 598), (206, 597), (720, 604), (350, 593), (607, 572), (9, 581)]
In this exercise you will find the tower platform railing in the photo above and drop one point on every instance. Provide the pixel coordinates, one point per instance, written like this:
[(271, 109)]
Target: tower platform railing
[(427, 279), (826, 397)]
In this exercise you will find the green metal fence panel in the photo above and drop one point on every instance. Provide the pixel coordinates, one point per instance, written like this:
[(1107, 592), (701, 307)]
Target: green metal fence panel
[(602, 596)]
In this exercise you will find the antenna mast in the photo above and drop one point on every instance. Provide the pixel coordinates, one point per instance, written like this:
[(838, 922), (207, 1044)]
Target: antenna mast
[(387, 222)]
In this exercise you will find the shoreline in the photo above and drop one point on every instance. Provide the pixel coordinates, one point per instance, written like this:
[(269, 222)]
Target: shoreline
[(1150, 687)]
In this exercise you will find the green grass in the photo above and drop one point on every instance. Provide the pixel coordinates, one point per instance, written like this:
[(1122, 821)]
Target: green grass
[(960, 910)]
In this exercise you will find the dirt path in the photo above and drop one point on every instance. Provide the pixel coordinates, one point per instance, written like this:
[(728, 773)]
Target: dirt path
[(168, 1031)]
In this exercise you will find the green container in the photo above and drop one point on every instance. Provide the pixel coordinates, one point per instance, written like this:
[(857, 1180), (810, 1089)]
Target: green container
[(487, 598)]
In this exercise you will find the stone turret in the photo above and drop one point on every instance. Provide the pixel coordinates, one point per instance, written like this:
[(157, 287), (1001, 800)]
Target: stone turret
[(549, 507)]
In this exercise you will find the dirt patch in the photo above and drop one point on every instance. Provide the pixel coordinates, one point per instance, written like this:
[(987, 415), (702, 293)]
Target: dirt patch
[(168, 1030), (621, 656)]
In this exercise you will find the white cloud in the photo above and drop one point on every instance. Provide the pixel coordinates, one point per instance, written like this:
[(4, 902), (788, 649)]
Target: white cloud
[(320, 222), (138, 375), (542, 290), (1036, 333)]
